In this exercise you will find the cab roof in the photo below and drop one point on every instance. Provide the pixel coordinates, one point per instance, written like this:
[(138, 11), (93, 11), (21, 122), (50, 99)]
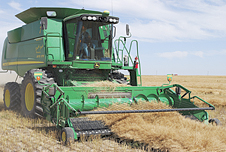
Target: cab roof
[(35, 13)]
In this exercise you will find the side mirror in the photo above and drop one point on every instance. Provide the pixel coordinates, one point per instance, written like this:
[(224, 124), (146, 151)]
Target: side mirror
[(127, 29), (44, 23)]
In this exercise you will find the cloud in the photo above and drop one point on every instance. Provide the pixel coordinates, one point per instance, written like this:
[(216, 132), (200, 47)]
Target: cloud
[(198, 53), (170, 55), (15, 5), (174, 20), (216, 52), (183, 54)]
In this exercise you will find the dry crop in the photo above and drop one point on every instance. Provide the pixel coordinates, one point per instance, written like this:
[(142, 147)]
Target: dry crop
[(18, 133), (160, 130), (110, 86), (210, 88), (22, 134), (165, 131)]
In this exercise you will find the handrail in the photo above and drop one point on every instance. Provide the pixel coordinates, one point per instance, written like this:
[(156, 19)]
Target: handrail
[(187, 92), (203, 101), (120, 60)]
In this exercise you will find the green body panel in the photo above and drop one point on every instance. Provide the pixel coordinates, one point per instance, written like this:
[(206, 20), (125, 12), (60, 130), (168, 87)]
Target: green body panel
[(31, 31), (14, 36), (91, 64), (35, 48)]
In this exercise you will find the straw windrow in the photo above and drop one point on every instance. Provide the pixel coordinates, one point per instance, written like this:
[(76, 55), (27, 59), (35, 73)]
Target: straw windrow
[(167, 131)]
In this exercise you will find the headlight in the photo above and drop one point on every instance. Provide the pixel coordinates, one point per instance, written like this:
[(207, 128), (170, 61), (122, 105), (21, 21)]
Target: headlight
[(84, 18), (94, 18), (110, 20), (90, 18)]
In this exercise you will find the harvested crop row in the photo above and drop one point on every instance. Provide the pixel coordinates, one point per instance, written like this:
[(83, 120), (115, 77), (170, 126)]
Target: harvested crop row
[(107, 85), (167, 131), (23, 134)]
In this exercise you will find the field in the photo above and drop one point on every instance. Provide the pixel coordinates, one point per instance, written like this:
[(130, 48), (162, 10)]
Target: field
[(22, 134), (210, 88)]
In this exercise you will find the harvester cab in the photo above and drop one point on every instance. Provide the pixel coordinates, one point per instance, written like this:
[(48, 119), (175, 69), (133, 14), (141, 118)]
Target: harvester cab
[(60, 51)]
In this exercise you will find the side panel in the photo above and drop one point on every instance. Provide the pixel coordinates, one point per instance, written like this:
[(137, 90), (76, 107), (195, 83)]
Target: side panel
[(25, 50), (23, 56), (31, 55), (54, 48), (54, 42), (31, 31), (14, 36), (31, 46), (9, 55)]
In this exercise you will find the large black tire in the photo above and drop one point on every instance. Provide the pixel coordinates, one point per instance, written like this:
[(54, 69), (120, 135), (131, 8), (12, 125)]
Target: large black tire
[(31, 92), (11, 96), (67, 135)]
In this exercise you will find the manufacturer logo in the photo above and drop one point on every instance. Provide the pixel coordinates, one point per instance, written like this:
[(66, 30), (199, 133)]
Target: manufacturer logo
[(97, 65)]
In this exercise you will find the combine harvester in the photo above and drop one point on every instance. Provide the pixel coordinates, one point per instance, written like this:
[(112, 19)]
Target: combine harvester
[(60, 50)]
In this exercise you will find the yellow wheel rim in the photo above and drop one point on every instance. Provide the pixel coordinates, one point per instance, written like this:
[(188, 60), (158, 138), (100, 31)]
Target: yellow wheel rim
[(29, 97), (7, 98), (63, 136)]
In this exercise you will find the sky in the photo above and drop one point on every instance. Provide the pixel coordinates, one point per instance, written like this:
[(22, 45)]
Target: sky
[(179, 37)]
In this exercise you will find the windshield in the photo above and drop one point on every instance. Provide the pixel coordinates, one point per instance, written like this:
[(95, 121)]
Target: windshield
[(88, 40)]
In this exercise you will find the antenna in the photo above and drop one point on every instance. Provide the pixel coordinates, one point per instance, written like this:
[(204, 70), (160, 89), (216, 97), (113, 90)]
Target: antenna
[(83, 5), (112, 7)]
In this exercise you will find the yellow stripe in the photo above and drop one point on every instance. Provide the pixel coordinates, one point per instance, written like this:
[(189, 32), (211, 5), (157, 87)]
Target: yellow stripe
[(37, 73), (22, 62)]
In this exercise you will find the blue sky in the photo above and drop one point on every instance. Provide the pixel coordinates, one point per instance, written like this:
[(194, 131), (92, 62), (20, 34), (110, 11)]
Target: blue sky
[(183, 37)]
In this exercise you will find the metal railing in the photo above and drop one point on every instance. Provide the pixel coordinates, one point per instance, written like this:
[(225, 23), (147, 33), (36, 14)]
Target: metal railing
[(119, 60)]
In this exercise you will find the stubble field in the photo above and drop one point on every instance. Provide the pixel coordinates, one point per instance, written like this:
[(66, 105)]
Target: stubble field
[(22, 134)]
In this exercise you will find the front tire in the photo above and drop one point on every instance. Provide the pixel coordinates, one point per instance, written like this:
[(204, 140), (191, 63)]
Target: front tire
[(11, 96), (67, 135), (31, 92)]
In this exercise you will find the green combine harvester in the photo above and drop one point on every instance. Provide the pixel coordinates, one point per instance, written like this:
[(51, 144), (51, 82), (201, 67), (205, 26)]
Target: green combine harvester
[(61, 50)]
